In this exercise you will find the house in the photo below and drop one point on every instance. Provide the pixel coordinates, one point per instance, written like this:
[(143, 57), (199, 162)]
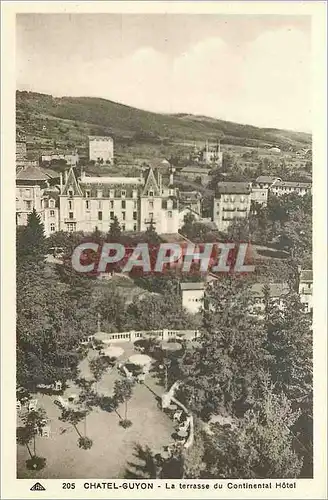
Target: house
[(232, 201), (89, 202), (305, 289), (192, 296), (287, 187), (184, 211), (191, 199), (198, 174), (71, 159), (276, 291), (212, 154), (101, 149), (37, 188), (21, 150)]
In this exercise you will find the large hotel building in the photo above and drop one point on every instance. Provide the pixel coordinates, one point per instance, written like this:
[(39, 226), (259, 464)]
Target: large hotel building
[(85, 203)]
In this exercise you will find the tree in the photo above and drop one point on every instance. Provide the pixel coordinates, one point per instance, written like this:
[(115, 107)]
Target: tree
[(33, 421), (151, 237), (74, 417), (31, 240), (226, 368), (98, 366), (258, 446), (122, 394), (114, 233)]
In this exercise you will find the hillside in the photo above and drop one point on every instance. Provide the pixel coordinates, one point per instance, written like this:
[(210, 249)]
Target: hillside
[(68, 121)]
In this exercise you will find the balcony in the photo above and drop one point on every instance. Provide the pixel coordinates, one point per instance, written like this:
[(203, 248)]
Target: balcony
[(68, 219), (149, 221)]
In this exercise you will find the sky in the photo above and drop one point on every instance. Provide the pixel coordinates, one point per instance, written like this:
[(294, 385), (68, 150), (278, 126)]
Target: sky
[(243, 68)]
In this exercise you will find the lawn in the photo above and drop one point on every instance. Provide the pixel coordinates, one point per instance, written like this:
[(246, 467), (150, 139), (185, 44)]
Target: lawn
[(113, 446)]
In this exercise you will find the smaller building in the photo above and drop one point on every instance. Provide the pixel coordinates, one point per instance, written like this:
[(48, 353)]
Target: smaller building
[(101, 149), (71, 159), (305, 289), (197, 174), (191, 199), (277, 292), (21, 150), (232, 202), (287, 187), (192, 296)]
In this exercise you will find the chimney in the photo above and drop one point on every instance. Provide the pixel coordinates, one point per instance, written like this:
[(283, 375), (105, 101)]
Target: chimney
[(171, 178), (61, 182)]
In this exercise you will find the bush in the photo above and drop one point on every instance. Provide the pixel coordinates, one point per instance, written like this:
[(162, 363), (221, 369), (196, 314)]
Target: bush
[(85, 443), (36, 463), (125, 423)]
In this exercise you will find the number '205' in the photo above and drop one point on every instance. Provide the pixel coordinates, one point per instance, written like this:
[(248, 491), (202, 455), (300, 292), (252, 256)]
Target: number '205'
[(68, 486)]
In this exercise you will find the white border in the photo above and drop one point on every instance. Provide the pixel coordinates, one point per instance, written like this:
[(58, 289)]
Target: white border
[(13, 488)]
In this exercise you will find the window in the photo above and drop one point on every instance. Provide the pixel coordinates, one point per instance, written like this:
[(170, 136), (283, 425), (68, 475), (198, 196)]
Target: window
[(70, 193), (123, 216), (71, 215), (99, 193), (87, 205), (70, 205), (123, 227), (135, 215), (52, 213), (169, 203), (99, 205), (169, 214), (134, 193), (28, 205), (151, 204), (51, 203), (52, 227), (135, 205), (123, 204), (123, 194), (134, 227), (70, 227), (111, 193), (111, 215), (87, 193), (151, 193), (111, 204), (99, 215), (232, 198), (27, 193), (151, 215)]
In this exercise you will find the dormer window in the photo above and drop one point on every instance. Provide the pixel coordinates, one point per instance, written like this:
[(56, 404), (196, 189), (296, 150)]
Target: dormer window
[(151, 193), (99, 193), (134, 193), (51, 203), (87, 193), (70, 193), (123, 194), (169, 204)]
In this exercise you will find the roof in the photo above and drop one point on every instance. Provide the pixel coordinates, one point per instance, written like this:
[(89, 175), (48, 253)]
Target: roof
[(111, 180), (190, 195), (292, 184), (265, 178), (306, 275), (32, 173), (100, 138), (195, 170), (192, 285), (233, 188), (276, 289)]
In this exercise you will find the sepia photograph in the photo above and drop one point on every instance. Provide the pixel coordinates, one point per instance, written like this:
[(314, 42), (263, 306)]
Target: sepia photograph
[(164, 192)]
